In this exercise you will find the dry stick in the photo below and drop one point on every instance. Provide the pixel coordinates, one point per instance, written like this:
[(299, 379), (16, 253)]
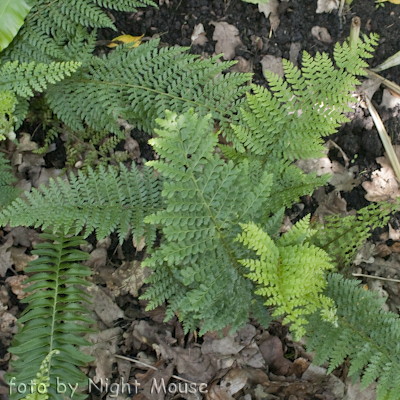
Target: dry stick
[(387, 143), (151, 367), (377, 277), (389, 84)]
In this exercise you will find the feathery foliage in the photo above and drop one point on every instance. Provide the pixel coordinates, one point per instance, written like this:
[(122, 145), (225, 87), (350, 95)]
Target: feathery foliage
[(7, 192), (54, 318), (103, 201), (290, 273), (288, 121), (57, 30), (368, 336), (140, 84)]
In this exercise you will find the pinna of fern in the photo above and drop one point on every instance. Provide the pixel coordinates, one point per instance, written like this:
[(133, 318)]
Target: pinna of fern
[(54, 319)]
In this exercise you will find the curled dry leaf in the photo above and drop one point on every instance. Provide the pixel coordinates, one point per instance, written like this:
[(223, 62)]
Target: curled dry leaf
[(272, 351), (322, 34), (216, 392), (17, 286), (394, 234), (199, 35), (390, 99), (20, 258), (227, 39)]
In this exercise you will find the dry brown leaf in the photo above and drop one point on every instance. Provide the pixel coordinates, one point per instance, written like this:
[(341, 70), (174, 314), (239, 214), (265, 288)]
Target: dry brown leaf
[(139, 246), (216, 392), (271, 10), (17, 286), (389, 100), (271, 350), (234, 381), (97, 259), (322, 34), (103, 350), (384, 185), (5, 257), (190, 363), (227, 39), (20, 258), (394, 234), (272, 64), (199, 35)]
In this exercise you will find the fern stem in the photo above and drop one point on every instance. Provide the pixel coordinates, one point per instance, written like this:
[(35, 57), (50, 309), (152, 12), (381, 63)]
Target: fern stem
[(354, 32)]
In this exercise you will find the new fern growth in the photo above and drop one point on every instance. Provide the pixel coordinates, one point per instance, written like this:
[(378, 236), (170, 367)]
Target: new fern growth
[(53, 320)]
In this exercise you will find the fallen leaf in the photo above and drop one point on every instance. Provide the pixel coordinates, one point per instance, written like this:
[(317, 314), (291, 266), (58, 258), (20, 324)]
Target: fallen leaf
[(17, 286), (5, 257), (271, 10), (384, 185), (294, 52), (322, 34), (272, 64), (133, 41), (227, 39), (103, 350), (271, 350), (216, 392), (234, 381), (389, 100), (354, 392), (327, 6), (394, 234), (199, 35), (20, 258)]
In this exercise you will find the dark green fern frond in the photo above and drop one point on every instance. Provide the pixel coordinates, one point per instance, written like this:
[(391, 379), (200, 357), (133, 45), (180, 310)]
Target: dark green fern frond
[(206, 199), (54, 318), (341, 237), (7, 192), (54, 30), (23, 79), (102, 201), (368, 336), (140, 84)]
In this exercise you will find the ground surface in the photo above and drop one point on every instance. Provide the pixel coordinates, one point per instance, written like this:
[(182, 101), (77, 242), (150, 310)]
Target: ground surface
[(253, 364)]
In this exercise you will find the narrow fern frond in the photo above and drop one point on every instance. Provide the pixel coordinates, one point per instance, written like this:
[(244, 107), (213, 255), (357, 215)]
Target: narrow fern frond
[(7, 192), (54, 319), (366, 335), (102, 201)]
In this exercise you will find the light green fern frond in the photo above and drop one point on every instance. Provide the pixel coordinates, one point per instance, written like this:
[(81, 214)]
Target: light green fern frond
[(367, 336), (196, 266), (54, 319), (289, 273), (102, 201)]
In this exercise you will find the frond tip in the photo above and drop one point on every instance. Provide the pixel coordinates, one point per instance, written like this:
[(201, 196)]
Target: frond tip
[(290, 273)]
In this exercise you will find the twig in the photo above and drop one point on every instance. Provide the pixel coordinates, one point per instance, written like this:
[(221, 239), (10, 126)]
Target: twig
[(389, 84), (151, 367), (377, 277)]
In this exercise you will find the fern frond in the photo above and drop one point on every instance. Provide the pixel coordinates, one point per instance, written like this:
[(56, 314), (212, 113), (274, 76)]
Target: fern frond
[(290, 273), (341, 237), (23, 79), (288, 121), (102, 201), (139, 84), (54, 318), (205, 199), (366, 335), (7, 192)]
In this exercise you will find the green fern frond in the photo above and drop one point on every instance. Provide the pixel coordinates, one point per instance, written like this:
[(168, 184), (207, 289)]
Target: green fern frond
[(341, 237), (140, 84), (205, 199), (55, 30), (289, 273), (366, 335), (23, 79), (54, 318), (102, 201), (288, 121), (7, 192)]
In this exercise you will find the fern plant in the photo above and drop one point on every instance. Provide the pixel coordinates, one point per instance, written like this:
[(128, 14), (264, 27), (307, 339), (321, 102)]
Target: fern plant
[(53, 320), (366, 335), (7, 192)]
